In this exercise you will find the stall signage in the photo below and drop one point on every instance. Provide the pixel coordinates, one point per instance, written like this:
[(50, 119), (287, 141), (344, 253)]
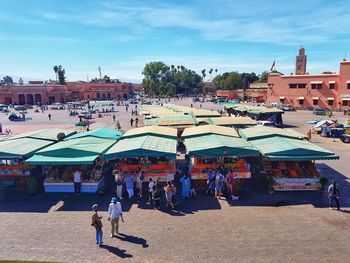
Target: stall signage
[(296, 184)]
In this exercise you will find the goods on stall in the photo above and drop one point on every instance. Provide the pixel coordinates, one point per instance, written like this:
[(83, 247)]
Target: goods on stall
[(201, 167), (293, 175), (155, 168), (64, 174), (15, 170)]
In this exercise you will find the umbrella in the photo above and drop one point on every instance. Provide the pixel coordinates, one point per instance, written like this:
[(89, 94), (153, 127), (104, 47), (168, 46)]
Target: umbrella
[(324, 122), (312, 122)]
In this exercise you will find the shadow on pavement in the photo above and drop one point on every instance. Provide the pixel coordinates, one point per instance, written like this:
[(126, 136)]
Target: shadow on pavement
[(133, 239), (116, 251), (253, 193)]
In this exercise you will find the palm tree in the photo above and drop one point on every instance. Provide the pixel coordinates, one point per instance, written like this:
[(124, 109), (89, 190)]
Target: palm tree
[(210, 72), (203, 74), (55, 68)]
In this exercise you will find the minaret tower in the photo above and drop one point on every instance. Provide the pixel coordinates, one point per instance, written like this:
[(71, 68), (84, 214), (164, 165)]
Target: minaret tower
[(300, 64)]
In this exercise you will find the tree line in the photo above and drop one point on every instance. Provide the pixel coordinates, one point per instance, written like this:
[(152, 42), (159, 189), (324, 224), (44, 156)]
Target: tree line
[(163, 80)]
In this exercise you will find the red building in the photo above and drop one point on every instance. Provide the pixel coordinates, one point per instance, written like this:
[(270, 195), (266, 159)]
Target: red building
[(38, 92), (33, 93), (98, 91), (256, 92), (328, 90)]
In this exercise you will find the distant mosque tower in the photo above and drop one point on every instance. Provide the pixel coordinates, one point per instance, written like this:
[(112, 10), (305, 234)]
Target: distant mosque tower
[(300, 64), (20, 81)]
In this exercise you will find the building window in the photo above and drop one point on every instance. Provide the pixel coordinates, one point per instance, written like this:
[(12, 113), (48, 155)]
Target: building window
[(345, 103), (348, 85), (316, 86), (331, 85), (282, 101), (292, 86), (302, 86), (330, 102), (301, 102), (315, 102)]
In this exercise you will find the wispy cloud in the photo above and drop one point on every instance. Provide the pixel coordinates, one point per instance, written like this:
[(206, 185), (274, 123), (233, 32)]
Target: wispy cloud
[(258, 23), (40, 39)]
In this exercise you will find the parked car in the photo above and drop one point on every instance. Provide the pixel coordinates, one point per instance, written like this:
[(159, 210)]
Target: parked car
[(265, 123), (323, 112), (20, 108), (146, 102), (195, 99), (288, 107)]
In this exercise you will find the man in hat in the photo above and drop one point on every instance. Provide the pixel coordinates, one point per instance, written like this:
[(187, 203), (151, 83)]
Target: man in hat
[(333, 194), (114, 213), (96, 222)]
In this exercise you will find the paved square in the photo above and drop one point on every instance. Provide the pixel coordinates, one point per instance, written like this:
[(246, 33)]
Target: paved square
[(283, 227)]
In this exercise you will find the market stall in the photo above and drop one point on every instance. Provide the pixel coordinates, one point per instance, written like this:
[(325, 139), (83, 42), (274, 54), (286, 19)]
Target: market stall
[(14, 150), (211, 147), (258, 113), (149, 149), (287, 157), (82, 152)]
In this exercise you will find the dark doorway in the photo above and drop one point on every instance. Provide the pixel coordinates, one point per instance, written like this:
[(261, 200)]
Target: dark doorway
[(52, 99), (8, 100), (21, 99), (37, 98), (30, 99)]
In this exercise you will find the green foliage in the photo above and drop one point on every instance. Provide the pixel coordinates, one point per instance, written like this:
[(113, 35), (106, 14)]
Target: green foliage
[(60, 73), (162, 80), (276, 71), (263, 77), (8, 80), (228, 81)]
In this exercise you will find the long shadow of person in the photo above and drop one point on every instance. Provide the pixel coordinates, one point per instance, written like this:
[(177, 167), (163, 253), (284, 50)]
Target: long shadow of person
[(133, 239), (116, 251)]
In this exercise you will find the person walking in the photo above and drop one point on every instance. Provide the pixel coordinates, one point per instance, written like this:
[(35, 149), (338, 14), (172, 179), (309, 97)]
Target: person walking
[(97, 223), (49, 116), (169, 195), (131, 122), (186, 185), (117, 125), (114, 213), (129, 183), (119, 182), (333, 194), (77, 181), (139, 180), (136, 122), (156, 197), (219, 181), (114, 117), (150, 191)]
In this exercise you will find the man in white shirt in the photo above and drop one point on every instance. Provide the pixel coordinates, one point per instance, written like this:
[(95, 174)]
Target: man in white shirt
[(150, 190), (114, 213), (77, 181)]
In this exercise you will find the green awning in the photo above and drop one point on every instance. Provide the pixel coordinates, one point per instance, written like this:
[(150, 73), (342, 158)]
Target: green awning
[(99, 133), (21, 147), (147, 146), (214, 145), (287, 149), (47, 160), (46, 134), (260, 132), (77, 151)]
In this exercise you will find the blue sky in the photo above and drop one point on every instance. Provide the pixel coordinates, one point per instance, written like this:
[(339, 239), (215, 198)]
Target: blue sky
[(121, 36)]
